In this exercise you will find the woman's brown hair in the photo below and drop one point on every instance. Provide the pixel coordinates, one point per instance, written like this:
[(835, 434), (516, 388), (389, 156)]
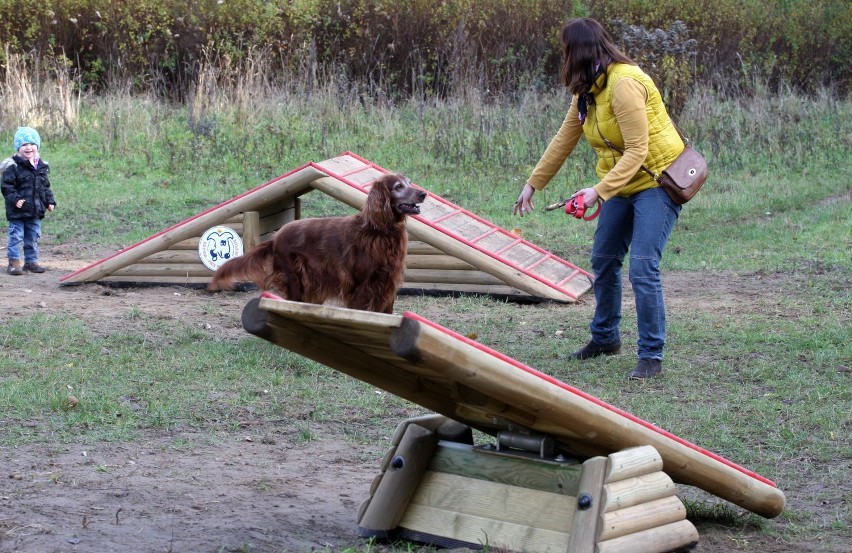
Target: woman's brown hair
[(585, 45)]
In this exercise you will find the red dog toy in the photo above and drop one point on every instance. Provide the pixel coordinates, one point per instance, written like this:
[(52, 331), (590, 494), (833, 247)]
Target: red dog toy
[(576, 206)]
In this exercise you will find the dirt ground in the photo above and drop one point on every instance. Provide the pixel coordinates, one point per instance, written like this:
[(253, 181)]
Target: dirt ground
[(258, 492)]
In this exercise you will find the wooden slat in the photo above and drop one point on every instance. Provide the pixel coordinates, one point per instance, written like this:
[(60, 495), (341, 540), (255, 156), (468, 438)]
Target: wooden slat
[(506, 274), (480, 531), (439, 262), (502, 502), (416, 247), (164, 269), (174, 256), (158, 280), (443, 276), (463, 460)]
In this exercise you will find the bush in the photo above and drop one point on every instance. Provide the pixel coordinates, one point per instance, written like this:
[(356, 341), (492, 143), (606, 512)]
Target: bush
[(739, 42), (387, 48)]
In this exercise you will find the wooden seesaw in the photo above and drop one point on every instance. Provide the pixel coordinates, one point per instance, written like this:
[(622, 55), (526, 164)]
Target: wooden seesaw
[(567, 473)]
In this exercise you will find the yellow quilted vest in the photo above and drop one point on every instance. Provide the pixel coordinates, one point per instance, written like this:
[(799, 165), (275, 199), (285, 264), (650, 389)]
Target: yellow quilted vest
[(664, 143)]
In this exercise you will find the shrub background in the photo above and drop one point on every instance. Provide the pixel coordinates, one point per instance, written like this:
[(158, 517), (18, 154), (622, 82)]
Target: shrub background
[(429, 47)]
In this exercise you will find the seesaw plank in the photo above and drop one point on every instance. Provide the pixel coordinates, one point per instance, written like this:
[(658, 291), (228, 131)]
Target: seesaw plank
[(471, 378)]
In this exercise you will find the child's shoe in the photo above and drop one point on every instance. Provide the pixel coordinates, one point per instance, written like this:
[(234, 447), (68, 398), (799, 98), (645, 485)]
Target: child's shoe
[(34, 267), (14, 267)]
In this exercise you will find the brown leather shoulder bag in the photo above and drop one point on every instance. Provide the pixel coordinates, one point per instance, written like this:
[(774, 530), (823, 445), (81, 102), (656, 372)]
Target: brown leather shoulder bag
[(683, 178)]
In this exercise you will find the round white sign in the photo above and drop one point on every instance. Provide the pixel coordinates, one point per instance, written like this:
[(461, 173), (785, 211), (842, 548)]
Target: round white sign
[(217, 245)]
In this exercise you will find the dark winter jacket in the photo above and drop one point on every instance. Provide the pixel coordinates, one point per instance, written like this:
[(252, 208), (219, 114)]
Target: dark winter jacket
[(23, 181)]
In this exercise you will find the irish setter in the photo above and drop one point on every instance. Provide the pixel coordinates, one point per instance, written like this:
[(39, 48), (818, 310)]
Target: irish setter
[(357, 261)]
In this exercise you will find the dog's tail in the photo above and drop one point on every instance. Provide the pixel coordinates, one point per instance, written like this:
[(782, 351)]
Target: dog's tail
[(254, 266)]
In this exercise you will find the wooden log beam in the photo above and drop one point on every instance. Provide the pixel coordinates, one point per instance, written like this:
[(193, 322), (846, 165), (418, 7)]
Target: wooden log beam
[(670, 537), (634, 461), (637, 490), (640, 517)]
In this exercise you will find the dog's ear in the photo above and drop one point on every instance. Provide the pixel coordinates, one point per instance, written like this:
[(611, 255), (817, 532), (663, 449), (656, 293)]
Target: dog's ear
[(379, 206)]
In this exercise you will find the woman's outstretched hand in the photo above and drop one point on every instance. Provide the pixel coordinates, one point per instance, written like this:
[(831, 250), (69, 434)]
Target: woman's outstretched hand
[(524, 204), (590, 196)]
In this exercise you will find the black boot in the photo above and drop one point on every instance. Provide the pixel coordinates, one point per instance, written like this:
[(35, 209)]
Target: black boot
[(646, 368), (594, 349)]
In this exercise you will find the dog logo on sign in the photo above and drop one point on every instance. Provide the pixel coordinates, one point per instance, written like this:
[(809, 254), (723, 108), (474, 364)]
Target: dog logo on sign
[(217, 245)]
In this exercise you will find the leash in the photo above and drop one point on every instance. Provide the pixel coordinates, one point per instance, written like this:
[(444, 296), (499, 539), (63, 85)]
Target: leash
[(577, 207)]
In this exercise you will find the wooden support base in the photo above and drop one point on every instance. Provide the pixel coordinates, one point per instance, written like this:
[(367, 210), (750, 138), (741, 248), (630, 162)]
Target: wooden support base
[(449, 493)]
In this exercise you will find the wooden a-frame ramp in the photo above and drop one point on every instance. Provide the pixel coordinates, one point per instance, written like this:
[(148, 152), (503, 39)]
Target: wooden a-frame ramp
[(471, 384), (451, 249)]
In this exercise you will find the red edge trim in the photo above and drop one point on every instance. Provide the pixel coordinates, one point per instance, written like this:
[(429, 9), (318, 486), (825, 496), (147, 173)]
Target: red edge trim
[(477, 247), (588, 397)]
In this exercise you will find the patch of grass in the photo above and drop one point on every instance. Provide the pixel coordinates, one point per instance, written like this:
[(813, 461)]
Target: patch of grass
[(753, 370), (151, 377)]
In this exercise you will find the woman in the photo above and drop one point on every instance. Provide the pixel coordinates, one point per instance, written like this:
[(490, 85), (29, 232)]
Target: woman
[(615, 101)]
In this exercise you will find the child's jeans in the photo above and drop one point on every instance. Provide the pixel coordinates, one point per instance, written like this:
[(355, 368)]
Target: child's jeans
[(27, 231)]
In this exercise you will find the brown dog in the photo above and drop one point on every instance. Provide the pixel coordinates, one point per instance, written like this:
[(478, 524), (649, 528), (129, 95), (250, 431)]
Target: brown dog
[(358, 260)]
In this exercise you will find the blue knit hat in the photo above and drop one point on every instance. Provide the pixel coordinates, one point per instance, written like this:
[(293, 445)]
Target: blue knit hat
[(27, 135)]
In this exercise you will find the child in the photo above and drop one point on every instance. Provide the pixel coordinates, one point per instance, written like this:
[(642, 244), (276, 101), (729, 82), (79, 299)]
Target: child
[(26, 188)]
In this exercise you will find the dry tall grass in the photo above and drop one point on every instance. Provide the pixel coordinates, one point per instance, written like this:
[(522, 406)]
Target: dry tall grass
[(44, 96)]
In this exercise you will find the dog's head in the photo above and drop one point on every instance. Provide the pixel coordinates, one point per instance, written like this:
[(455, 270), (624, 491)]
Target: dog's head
[(402, 197)]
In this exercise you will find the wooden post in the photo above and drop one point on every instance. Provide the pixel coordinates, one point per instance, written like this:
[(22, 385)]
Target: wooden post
[(589, 498), (251, 230), (399, 481)]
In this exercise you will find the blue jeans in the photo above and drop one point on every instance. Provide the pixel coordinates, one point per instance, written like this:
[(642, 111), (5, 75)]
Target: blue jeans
[(27, 231), (641, 223)]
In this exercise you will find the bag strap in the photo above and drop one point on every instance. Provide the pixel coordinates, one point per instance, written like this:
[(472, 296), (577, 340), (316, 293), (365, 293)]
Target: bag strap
[(612, 146)]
